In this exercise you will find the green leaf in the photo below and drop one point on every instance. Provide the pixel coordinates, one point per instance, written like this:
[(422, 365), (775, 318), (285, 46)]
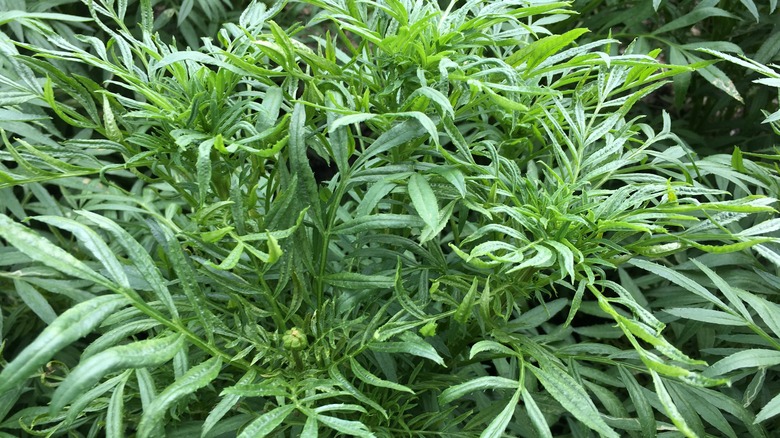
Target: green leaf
[(540, 50), (35, 301), (342, 381), (348, 427), (140, 257), (464, 310), (678, 279), (349, 120), (643, 408), (310, 427), (41, 250), (94, 243), (378, 222), (478, 384), (204, 170), (355, 281), (424, 200), (195, 378), (486, 345), (411, 344), (695, 16), (141, 354), (749, 358), (497, 427), (71, 325), (226, 404), (707, 315), (266, 423), (536, 416), (769, 410), (114, 415), (190, 286), (767, 310), (563, 388), (670, 408), (371, 379), (399, 134)]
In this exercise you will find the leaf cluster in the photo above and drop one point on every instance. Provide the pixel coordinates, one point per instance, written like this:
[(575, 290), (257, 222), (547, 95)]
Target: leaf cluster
[(392, 219)]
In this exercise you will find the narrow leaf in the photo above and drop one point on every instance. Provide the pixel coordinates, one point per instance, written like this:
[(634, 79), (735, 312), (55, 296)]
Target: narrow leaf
[(479, 384), (195, 378), (73, 324), (563, 388), (140, 354), (424, 200), (266, 423)]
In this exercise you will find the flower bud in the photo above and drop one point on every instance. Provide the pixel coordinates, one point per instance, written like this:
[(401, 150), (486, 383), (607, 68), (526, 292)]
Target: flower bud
[(294, 339)]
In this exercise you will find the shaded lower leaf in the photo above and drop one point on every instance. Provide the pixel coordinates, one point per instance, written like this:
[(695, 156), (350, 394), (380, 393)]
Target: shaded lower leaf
[(195, 378), (140, 354), (496, 427), (266, 423), (73, 324), (572, 397)]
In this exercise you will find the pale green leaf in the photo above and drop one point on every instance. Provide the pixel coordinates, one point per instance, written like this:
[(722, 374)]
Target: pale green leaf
[(424, 200), (749, 358), (266, 423), (71, 325), (477, 384), (497, 427), (563, 388), (195, 378), (769, 410), (141, 354)]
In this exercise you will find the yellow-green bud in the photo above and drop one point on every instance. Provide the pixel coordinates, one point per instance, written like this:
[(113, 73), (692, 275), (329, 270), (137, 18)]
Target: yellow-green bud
[(294, 339), (429, 329)]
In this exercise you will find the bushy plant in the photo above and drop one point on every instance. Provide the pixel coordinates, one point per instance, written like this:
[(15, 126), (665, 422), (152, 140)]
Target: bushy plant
[(393, 219), (716, 107)]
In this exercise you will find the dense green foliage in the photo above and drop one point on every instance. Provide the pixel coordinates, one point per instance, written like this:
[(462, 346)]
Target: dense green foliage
[(389, 218)]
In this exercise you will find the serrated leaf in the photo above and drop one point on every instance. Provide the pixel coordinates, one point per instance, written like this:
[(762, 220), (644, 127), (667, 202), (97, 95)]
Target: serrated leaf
[(478, 384), (424, 200), (754, 357), (349, 427), (563, 388), (670, 407), (42, 250), (266, 423), (35, 301), (195, 378), (535, 414), (707, 315), (371, 379), (73, 324), (497, 427), (412, 344), (769, 410), (141, 354), (114, 414), (94, 243), (139, 256)]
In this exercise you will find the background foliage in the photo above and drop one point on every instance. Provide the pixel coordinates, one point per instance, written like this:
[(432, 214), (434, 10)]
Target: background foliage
[(389, 218)]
